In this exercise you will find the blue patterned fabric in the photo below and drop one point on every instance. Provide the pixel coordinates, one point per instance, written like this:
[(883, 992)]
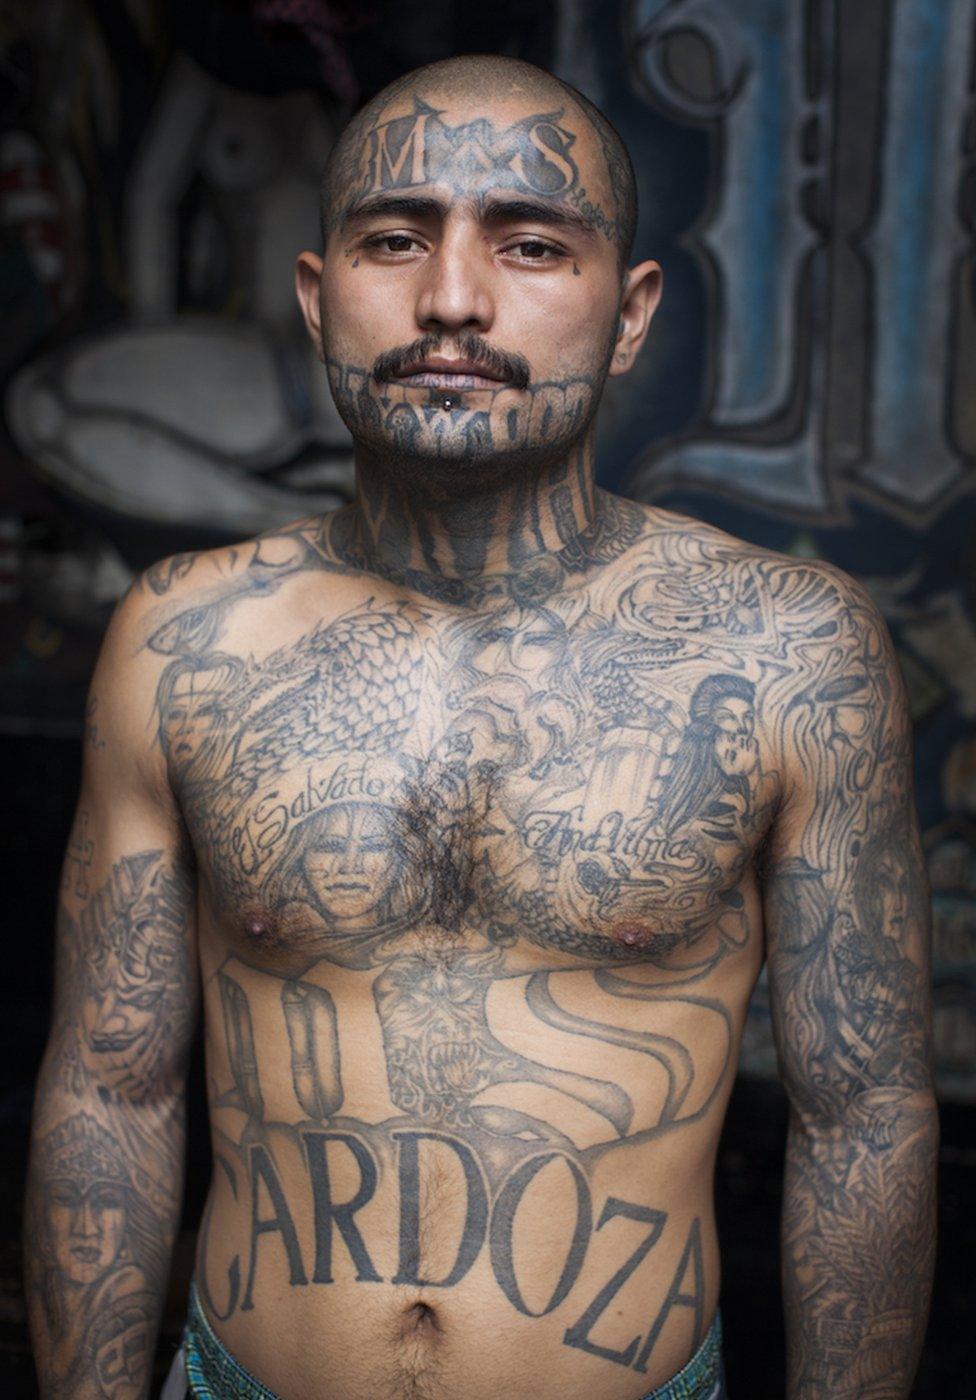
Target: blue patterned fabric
[(703, 1378), (211, 1371)]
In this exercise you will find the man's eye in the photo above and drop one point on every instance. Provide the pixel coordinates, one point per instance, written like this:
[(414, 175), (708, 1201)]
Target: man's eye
[(392, 242), (535, 250)]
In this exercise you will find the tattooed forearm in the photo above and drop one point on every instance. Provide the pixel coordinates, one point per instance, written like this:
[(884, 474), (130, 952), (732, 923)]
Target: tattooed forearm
[(858, 1238), (846, 912), (100, 1222), (106, 1163)]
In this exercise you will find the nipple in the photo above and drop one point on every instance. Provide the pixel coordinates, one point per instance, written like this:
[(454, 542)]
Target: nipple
[(260, 928), (632, 935)]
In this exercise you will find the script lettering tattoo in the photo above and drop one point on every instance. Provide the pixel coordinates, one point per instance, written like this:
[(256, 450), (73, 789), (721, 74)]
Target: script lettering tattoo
[(532, 425), (690, 1262), (280, 1222), (105, 1176), (577, 1334), (227, 1173)]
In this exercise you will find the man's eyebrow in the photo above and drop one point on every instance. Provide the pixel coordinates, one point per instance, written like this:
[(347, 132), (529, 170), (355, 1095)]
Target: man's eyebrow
[(396, 206), (490, 208), (499, 210)]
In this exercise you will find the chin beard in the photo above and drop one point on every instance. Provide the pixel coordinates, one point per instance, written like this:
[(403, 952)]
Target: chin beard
[(467, 447)]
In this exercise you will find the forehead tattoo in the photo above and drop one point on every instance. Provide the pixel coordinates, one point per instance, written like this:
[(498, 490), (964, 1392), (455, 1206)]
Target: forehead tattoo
[(533, 156)]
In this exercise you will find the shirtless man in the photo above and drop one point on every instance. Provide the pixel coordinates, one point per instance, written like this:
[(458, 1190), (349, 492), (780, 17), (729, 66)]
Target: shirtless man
[(473, 810)]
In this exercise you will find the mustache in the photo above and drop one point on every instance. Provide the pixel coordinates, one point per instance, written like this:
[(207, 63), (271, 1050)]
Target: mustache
[(501, 364)]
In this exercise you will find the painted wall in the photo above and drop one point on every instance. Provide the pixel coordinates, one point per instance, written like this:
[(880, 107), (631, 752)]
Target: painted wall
[(807, 175)]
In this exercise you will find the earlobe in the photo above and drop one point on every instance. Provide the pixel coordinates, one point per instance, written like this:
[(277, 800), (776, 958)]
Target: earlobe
[(642, 293), (308, 280)]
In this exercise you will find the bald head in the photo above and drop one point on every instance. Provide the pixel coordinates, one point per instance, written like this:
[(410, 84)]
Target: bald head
[(483, 122)]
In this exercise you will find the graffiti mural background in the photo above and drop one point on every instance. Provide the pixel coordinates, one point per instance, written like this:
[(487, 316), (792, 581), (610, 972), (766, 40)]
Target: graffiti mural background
[(807, 174)]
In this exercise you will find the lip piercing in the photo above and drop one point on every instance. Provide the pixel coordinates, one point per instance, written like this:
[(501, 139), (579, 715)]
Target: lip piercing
[(447, 403)]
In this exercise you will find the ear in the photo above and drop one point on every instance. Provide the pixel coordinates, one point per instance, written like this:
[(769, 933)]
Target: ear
[(641, 294), (308, 281)]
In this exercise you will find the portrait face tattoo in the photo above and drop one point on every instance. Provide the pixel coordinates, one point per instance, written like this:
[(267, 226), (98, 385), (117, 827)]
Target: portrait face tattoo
[(87, 1222), (190, 715), (351, 863), (192, 707), (87, 1204)]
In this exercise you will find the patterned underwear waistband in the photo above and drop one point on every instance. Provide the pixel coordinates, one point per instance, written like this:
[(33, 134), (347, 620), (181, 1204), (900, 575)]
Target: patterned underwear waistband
[(213, 1374), (703, 1378), (211, 1371)]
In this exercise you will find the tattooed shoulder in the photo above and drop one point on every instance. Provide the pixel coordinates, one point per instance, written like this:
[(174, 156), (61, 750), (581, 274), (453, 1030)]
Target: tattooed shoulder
[(844, 683)]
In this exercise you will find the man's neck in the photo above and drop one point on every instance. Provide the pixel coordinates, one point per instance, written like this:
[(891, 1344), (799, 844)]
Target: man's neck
[(464, 543)]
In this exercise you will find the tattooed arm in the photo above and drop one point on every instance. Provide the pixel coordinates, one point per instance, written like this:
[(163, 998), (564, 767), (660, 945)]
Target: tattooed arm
[(847, 937), (105, 1176)]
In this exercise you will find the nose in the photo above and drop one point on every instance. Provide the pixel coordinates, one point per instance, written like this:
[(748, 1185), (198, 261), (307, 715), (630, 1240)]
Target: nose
[(111, 1017), (900, 900), (454, 294), (83, 1222), (351, 860)]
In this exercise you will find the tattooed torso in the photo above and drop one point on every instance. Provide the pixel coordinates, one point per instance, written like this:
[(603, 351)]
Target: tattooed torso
[(478, 927)]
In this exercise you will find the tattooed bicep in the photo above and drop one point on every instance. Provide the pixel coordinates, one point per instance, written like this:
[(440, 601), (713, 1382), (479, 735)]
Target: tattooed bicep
[(844, 731), (845, 894), (126, 966), (126, 951), (839, 721)]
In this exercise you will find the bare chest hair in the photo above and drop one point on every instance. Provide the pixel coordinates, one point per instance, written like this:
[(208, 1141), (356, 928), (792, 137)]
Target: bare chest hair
[(582, 769)]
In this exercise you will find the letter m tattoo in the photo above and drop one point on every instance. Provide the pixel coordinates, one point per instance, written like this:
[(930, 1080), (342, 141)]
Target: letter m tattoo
[(398, 151)]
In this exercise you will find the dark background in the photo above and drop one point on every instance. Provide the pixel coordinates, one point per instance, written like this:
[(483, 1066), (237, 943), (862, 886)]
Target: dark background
[(807, 172)]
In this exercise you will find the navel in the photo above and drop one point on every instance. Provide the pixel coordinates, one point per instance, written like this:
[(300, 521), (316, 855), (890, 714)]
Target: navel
[(419, 1320)]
